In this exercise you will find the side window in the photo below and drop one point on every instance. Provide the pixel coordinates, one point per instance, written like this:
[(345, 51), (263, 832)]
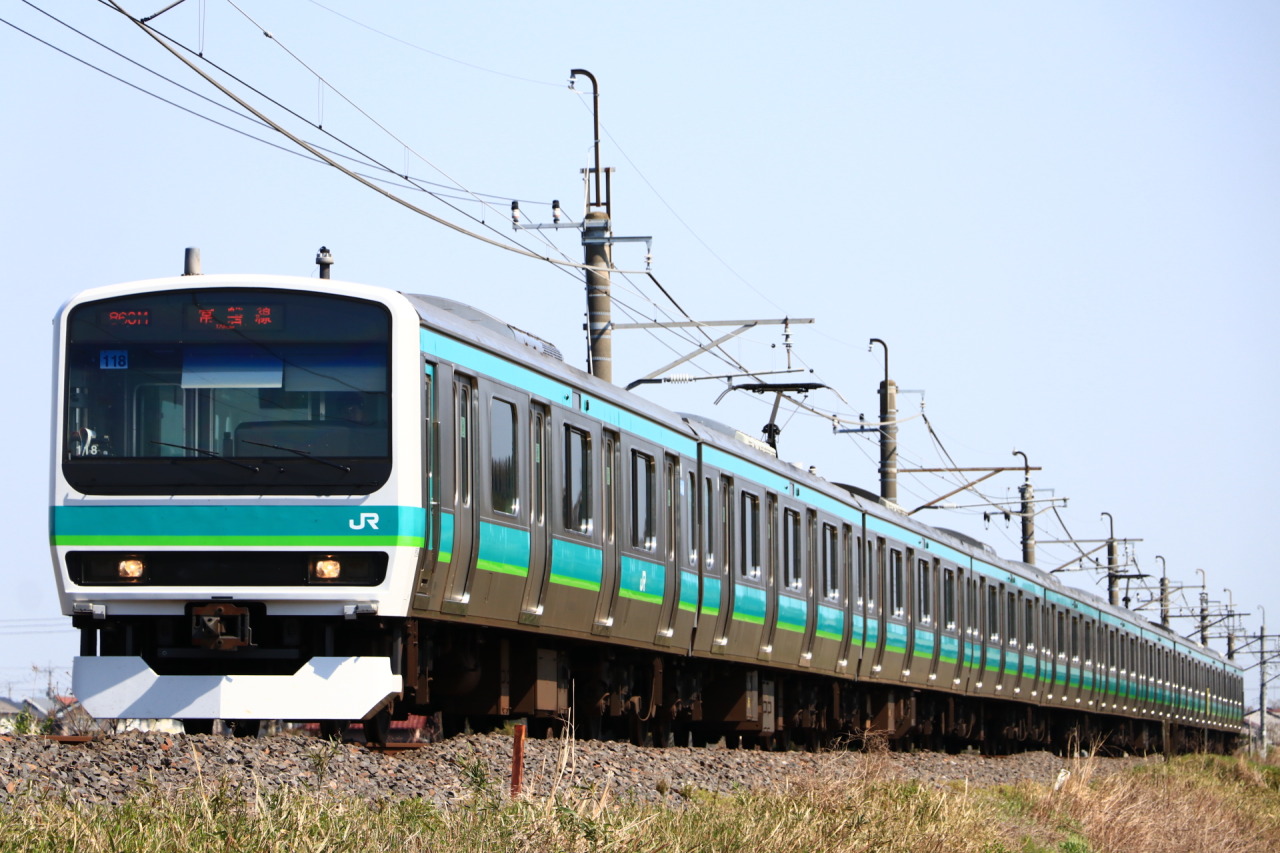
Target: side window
[(709, 523), (924, 591), (971, 600), (897, 584), (830, 562), (462, 400), (503, 479), (749, 525), (949, 599), (689, 516), (643, 511), (993, 613), (1011, 619), (539, 468), (875, 574), (1029, 623), (577, 481), (792, 549)]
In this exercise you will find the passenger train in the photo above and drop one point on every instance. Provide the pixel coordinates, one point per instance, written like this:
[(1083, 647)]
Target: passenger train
[(301, 499)]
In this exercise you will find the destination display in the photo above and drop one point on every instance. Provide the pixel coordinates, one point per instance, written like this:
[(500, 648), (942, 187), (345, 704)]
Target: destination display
[(234, 317)]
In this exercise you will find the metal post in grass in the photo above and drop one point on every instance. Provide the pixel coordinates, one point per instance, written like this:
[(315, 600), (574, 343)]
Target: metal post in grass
[(517, 759)]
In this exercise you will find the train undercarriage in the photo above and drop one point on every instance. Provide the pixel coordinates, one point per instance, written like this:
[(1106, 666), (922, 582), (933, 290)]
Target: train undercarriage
[(465, 677)]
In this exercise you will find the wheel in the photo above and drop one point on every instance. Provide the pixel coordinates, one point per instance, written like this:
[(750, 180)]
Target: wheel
[(332, 729), (245, 728), (198, 727), (377, 729)]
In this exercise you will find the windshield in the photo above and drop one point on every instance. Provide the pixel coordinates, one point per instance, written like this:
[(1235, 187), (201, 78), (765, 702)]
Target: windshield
[(240, 391)]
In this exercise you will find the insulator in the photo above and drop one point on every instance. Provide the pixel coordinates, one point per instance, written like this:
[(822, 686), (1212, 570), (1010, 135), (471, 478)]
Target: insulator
[(678, 378)]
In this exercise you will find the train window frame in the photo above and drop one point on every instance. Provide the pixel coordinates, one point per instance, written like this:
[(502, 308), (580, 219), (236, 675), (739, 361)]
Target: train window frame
[(463, 411), (578, 481), (949, 614), (792, 549), (709, 524), (1029, 624), (504, 489), (897, 582), (689, 518), (972, 605), (749, 562), (725, 530), (1011, 619), (991, 600), (829, 547), (644, 510), (924, 591)]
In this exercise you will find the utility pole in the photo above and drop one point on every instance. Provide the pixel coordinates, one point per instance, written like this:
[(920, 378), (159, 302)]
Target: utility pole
[(1262, 689), (1164, 594), (1027, 512), (1113, 586), (596, 252), (1204, 619), (888, 431)]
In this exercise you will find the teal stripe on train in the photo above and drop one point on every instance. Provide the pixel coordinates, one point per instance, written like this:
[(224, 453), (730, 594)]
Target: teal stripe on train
[(642, 580), (830, 623), (579, 566), (222, 526), (748, 604), (793, 613), (504, 550)]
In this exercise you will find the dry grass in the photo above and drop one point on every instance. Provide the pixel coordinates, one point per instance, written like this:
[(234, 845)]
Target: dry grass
[(1191, 804)]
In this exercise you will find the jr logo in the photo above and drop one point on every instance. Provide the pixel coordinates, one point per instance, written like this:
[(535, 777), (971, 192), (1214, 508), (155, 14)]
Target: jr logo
[(369, 519)]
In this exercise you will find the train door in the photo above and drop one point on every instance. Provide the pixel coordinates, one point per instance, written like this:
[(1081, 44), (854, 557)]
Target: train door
[(951, 637), (910, 615), (611, 495), (671, 510), (719, 538), (986, 631), (430, 562), (535, 588), (1030, 660), (465, 520), (831, 617), (877, 606), (816, 576), (770, 572), (851, 598), (930, 626), (1012, 642)]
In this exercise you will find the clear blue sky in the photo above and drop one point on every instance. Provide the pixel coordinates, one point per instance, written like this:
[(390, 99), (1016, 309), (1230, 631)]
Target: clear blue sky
[(1064, 219)]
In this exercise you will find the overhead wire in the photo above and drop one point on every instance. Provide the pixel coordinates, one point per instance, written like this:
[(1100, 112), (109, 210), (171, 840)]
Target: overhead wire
[(510, 245), (430, 52), (718, 351), (248, 118)]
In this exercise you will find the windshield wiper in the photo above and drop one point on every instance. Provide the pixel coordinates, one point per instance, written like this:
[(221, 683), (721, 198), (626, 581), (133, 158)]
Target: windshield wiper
[(254, 468), (304, 454)]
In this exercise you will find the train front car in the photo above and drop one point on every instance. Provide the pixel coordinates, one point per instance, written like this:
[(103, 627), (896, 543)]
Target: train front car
[(231, 533)]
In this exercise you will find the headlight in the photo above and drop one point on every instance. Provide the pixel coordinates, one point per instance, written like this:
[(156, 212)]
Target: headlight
[(350, 568), (131, 568), (326, 569)]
